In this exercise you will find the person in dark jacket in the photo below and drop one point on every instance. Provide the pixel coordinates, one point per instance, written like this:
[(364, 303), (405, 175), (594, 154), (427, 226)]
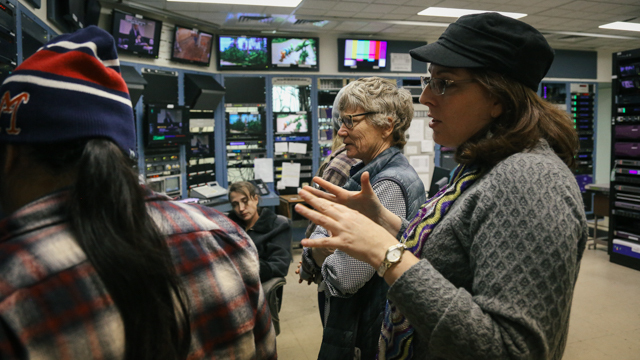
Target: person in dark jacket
[(271, 233)]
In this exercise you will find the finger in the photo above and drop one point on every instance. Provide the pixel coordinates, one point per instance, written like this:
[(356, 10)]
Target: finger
[(327, 242), (316, 217), (320, 193), (333, 189), (366, 184), (322, 205), (324, 213)]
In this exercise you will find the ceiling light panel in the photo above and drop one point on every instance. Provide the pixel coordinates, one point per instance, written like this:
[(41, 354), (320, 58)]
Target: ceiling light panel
[(451, 12), (280, 3), (620, 25)]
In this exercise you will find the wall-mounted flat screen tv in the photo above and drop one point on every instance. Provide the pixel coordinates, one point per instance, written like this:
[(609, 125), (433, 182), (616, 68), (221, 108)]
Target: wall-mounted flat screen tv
[(242, 53), (287, 123), (136, 35), (294, 53), (191, 46), (365, 54), (244, 124)]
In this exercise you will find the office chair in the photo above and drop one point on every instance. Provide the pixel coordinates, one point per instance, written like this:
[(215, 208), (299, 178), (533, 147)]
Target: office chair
[(273, 293)]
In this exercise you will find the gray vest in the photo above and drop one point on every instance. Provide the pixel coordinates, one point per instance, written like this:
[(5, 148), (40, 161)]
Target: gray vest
[(355, 322), (392, 165)]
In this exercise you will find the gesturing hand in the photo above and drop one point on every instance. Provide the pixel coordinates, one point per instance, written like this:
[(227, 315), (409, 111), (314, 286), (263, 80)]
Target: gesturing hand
[(352, 232), (364, 201)]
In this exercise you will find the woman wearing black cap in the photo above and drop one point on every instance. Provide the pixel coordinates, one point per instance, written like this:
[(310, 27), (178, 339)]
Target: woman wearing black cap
[(493, 258)]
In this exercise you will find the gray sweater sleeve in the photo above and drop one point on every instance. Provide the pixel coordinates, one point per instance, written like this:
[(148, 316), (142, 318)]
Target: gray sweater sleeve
[(497, 276)]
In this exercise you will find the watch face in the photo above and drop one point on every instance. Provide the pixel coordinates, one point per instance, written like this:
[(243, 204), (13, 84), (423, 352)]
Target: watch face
[(394, 255)]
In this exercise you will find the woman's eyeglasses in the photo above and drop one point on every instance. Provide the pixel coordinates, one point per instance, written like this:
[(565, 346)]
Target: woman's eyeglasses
[(438, 86), (347, 120)]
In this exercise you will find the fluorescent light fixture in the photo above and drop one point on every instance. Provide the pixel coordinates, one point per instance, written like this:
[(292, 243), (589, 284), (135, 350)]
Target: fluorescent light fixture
[(620, 25), (590, 35), (414, 23), (280, 3), (451, 12)]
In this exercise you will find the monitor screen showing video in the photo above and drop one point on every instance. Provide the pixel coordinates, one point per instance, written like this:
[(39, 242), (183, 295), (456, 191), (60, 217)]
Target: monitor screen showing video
[(191, 46), (136, 35), (294, 53), (244, 124), (200, 145), (242, 53), (166, 126), (287, 123)]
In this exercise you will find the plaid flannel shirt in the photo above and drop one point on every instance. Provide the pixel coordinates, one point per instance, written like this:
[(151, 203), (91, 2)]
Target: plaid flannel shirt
[(53, 304), (338, 167)]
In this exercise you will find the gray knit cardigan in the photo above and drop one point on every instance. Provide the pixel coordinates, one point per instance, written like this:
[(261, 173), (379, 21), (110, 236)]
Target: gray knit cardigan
[(497, 275)]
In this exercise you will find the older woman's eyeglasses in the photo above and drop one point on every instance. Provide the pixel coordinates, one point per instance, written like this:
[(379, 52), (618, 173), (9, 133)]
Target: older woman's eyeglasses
[(347, 120), (438, 86)]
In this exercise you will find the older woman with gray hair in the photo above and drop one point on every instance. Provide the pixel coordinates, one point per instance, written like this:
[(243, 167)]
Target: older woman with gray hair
[(375, 114)]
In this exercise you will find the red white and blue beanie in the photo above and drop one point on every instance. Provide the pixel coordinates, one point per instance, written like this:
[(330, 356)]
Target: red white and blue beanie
[(70, 89)]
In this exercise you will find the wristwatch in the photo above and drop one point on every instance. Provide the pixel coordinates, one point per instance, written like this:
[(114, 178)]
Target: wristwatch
[(393, 255)]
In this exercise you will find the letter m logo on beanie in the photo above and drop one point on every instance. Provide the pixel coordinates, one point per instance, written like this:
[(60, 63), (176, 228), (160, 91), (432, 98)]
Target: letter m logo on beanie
[(10, 106), (70, 89)]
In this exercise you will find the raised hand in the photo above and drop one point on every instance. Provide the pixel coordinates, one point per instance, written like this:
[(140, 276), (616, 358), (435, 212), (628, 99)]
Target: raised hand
[(364, 201), (351, 231)]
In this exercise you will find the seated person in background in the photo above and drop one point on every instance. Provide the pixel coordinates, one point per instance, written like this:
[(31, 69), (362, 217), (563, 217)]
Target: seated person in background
[(270, 233), (93, 265)]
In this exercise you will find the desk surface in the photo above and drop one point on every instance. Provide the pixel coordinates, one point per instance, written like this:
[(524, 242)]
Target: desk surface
[(601, 188), (291, 198)]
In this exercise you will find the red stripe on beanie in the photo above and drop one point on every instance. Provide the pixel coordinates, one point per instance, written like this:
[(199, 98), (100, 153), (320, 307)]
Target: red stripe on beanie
[(76, 65)]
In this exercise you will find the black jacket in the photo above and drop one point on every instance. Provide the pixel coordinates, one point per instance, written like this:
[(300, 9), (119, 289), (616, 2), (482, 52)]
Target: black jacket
[(272, 236)]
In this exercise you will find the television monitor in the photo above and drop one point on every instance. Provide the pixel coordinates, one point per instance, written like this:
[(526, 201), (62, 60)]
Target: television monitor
[(191, 46), (287, 123), (201, 145), (242, 53), (365, 54), (167, 125), (244, 124), (294, 53), (136, 35)]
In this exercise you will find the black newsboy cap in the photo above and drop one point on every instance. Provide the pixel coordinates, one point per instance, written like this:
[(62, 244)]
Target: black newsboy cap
[(490, 40)]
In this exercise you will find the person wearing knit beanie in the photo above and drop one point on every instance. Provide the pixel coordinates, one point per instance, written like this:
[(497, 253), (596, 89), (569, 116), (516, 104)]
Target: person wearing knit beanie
[(94, 265)]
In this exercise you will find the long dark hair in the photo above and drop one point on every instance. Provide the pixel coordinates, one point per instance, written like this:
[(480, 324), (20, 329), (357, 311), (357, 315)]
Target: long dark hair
[(525, 119), (109, 219)]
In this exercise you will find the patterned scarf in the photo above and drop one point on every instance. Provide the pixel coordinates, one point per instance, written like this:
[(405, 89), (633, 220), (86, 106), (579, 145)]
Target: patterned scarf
[(397, 333)]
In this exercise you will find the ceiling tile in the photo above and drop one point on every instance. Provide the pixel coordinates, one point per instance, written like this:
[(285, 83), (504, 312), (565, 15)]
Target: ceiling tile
[(349, 6), (424, 3), (319, 4), (342, 14), (631, 11), (182, 6), (391, 2), (351, 25), (410, 10), (375, 27), (313, 12), (380, 9)]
